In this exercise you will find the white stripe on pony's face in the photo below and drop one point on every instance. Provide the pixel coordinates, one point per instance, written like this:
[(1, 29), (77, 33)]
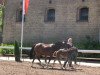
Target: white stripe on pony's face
[(62, 49), (51, 45)]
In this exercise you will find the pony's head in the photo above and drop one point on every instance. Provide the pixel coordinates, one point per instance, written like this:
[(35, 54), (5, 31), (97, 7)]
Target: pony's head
[(58, 45)]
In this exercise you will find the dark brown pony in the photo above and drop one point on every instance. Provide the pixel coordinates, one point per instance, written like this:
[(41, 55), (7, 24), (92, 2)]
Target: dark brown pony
[(45, 50), (66, 54)]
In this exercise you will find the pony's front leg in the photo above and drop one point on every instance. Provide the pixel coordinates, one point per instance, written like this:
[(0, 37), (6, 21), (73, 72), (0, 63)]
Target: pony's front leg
[(64, 65), (60, 64), (49, 59), (59, 58), (49, 62), (46, 60), (54, 62), (39, 60), (70, 64)]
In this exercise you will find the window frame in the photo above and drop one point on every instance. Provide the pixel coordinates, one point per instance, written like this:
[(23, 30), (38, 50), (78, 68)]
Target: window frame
[(46, 18), (78, 14), (19, 15)]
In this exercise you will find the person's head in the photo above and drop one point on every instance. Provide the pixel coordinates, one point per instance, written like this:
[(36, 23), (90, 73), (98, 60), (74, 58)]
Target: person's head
[(69, 40)]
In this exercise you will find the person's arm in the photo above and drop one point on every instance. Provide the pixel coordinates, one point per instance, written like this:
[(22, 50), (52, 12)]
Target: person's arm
[(68, 46)]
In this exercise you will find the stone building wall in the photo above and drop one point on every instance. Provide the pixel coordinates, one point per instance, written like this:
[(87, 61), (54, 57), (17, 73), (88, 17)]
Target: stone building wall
[(66, 24)]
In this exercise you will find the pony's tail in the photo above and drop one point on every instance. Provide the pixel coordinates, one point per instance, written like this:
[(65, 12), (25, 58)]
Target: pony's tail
[(32, 52)]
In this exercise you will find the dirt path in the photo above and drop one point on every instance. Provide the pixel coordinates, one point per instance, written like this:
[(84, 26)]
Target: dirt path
[(24, 68)]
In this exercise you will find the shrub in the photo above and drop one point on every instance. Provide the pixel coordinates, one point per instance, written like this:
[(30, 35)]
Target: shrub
[(5, 50), (89, 44), (17, 52)]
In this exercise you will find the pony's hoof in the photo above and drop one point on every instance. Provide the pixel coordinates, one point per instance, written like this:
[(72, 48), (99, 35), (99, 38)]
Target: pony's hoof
[(32, 66), (62, 68), (42, 66), (52, 68), (72, 68), (47, 68)]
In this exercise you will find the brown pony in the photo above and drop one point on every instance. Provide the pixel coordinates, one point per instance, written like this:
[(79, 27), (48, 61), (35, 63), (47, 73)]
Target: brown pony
[(45, 50), (66, 54)]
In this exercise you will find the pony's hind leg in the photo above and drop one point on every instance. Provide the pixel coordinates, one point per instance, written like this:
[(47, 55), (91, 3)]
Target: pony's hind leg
[(33, 62), (40, 62)]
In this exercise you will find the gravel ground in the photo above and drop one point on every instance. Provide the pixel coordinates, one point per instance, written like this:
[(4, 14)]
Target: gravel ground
[(24, 68)]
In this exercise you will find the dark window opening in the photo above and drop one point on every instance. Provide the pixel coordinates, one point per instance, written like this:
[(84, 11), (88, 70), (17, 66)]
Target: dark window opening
[(83, 0), (19, 15), (50, 1), (83, 14), (51, 15)]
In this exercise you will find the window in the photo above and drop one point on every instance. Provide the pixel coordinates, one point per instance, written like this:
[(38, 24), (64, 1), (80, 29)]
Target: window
[(50, 1), (19, 15), (83, 14), (51, 15), (83, 0)]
